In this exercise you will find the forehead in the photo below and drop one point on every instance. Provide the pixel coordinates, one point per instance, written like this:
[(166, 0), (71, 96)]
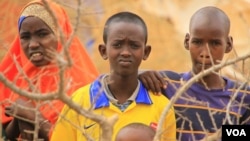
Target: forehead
[(126, 28), (211, 21), (215, 28), (32, 22), (38, 10), (116, 25)]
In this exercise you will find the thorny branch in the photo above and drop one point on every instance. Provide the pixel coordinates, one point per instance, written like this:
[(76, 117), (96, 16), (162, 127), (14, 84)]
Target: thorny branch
[(106, 123), (187, 84)]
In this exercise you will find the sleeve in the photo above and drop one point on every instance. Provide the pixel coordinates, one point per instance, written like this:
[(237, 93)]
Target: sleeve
[(169, 132), (245, 117), (64, 130), (67, 127), (168, 127)]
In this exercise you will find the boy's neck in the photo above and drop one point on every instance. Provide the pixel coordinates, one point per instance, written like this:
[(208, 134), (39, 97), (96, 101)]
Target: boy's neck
[(121, 88), (212, 81)]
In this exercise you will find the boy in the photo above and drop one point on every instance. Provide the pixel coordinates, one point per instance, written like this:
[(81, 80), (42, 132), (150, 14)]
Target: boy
[(120, 92), (136, 132), (202, 108)]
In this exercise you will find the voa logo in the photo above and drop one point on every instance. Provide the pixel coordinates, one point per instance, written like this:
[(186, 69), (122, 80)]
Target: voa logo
[(236, 132)]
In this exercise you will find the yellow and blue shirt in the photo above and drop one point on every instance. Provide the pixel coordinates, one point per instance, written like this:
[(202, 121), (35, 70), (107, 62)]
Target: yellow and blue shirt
[(145, 107)]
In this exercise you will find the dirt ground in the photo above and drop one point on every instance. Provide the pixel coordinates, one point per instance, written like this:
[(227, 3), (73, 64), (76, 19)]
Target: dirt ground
[(167, 24)]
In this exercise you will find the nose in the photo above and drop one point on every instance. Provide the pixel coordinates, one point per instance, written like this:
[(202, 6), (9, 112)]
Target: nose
[(33, 43), (205, 51), (125, 51)]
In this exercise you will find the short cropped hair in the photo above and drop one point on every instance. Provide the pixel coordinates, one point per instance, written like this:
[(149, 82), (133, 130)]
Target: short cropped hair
[(124, 17), (211, 13), (140, 126)]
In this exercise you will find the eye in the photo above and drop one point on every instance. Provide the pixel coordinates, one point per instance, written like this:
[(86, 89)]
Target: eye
[(24, 36), (42, 34), (215, 43), (117, 45), (134, 46), (196, 42)]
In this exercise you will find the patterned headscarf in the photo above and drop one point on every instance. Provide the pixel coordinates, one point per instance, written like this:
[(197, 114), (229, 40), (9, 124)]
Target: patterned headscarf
[(17, 67), (37, 10)]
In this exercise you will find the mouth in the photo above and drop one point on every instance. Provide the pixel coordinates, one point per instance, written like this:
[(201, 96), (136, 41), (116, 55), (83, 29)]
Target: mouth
[(204, 65), (125, 62), (36, 56)]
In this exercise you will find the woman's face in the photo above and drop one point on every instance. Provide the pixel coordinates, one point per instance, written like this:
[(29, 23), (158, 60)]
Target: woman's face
[(37, 41)]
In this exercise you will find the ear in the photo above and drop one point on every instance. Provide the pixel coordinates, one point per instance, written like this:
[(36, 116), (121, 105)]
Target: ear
[(186, 40), (103, 51), (229, 44), (147, 52)]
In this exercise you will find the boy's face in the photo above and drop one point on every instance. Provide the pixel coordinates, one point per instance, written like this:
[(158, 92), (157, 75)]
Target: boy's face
[(207, 43), (125, 47)]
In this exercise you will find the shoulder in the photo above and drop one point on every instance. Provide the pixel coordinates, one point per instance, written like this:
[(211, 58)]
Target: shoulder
[(232, 84), (84, 91), (158, 99), (160, 102), (171, 75), (81, 94), (242, 89)]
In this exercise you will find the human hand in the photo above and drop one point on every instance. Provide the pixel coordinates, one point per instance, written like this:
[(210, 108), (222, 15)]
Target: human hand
[(21, 109), (24, 113), (26, 130), (153, 81)]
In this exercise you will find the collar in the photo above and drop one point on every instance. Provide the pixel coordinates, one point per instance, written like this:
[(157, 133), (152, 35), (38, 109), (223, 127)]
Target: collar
[(99, 97), (110, 95)]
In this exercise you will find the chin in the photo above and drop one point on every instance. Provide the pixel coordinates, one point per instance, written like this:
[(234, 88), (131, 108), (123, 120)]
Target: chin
[(40, 64)]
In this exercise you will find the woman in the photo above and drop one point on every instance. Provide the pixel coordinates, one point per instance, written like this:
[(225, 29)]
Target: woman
[(31, 63)]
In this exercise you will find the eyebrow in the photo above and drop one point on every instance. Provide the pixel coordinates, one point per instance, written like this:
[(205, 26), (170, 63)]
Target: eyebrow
[(42, 29), (196, 38), (37, 31)]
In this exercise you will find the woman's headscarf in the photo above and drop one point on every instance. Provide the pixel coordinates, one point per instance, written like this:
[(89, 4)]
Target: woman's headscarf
[(16, 66)]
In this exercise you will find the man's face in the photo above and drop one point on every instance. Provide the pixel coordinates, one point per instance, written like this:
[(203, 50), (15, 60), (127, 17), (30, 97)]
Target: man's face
[(207, 44)]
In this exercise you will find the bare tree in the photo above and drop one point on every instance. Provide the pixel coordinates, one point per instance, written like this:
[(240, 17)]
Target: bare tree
[(106, 124)]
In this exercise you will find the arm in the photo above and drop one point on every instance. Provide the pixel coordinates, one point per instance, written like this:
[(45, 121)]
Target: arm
[(152, 80), (245, 120), (64, 127), (44, 128), (24, 120), (169, 132), (12, 129), (166, 127)]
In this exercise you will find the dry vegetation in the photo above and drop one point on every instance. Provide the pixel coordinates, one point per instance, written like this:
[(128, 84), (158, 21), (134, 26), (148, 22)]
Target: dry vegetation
[(167, 26), (167, 22)]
